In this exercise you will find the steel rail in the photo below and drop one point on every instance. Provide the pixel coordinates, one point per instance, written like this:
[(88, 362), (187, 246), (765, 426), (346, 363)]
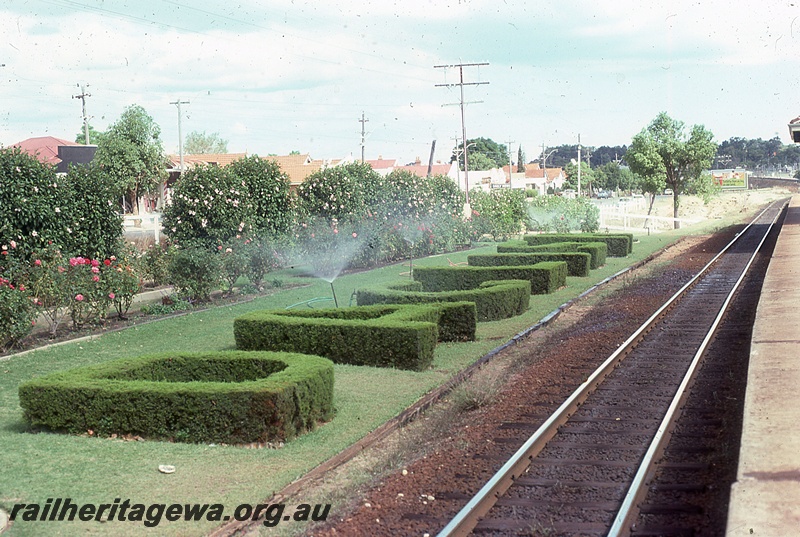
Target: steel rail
[(628, 511), (466, 519)]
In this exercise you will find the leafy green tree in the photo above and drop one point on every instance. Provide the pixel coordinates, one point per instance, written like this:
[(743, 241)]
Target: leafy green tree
[(612, 176), (587, 176), (484, 154), (663, 147), (268, 187), (200, 143), (131, 155), (520, 160), (94, 136)]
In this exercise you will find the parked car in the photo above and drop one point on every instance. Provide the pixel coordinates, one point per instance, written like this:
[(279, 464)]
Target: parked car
[(603, 194), (668, 192)]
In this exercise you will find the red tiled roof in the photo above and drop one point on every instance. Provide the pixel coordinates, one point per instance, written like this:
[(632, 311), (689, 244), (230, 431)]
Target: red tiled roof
[(382, 163), (216, 159), (44, 148), (422, 170)]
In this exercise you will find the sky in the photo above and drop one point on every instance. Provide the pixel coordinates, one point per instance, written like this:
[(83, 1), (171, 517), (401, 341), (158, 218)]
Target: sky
[(276, 76)]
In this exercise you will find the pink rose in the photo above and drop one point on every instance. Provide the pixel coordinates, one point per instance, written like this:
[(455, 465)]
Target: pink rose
[(95, 269), (95, 263), (79, 297), (95, 278), (111, 296), (38, 263)]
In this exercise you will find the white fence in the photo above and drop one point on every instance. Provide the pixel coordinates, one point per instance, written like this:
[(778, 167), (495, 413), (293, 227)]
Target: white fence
[(621, 218), (143, 224)]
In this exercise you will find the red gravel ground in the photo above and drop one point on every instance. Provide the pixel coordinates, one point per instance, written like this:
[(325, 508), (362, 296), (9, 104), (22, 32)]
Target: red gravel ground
[(458, 459)]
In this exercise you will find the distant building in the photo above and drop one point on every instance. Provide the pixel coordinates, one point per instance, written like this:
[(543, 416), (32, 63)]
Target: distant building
[(57, 152), (537, 178)]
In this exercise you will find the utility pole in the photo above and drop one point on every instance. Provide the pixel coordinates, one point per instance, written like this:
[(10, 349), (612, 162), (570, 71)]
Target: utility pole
[(363, 120), (579, 165), (82, 97), (178, 103), (461, 84), (509, 160), (458, 170), (430, 160)]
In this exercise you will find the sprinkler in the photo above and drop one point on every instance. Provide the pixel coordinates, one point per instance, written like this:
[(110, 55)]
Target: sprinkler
[(336, 302)]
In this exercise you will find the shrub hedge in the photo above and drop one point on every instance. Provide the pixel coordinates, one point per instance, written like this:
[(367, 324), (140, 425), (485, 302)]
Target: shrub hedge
[(401, 336), (598, 250), (545, 277), (578, 263), (619, 245), (493, 300), (229, 396)]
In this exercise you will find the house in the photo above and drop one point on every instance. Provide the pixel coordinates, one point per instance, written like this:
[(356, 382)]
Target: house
[(297, 166), (57, 152), (538, 178), (382, 166), (487, 180), (450, 170)]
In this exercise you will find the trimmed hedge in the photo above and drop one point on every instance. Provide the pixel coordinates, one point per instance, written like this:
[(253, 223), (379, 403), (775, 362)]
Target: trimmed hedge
[(401, 336), (619, 245), (545, 277), (578, 263), (598, 250), (493, 300), (227, 396)]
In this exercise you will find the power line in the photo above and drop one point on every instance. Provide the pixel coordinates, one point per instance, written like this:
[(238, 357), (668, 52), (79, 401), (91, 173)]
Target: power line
[(461, 85)]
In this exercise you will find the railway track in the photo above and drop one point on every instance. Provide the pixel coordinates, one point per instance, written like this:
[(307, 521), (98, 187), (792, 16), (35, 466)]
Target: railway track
[(589, 467)]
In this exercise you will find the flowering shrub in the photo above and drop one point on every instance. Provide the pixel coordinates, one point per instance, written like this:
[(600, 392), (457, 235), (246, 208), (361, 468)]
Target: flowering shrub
[(16, 313), (562, 215), (498, 213), (234, 260), (75, 212), (195, 271), (33, 202), (209, 205), (338, 193), (268, 189), (153, 263), (263, 259)]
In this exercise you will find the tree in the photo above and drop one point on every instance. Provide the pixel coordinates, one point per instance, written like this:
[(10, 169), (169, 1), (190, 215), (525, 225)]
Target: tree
[(198, 143), (131, 155), (520, 160), (663, 147), (484, 154), (587, 176), (612, 176), (94, 136)]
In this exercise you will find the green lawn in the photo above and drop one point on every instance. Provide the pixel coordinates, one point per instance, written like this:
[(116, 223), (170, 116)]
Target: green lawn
[(35, 467)]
